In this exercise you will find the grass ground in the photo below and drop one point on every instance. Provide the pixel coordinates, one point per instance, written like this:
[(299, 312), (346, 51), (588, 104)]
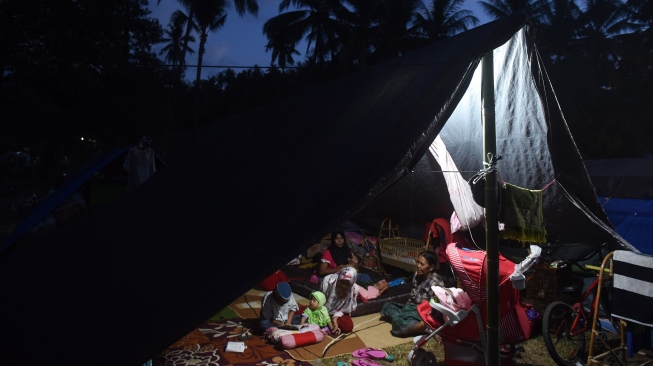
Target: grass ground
[(534, 354)]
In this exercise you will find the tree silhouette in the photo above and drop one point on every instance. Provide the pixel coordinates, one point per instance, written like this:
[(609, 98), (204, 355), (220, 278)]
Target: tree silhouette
[(242, 7), (210, 16), (174, 50), (502, 8), (442, 19), (317, 19)]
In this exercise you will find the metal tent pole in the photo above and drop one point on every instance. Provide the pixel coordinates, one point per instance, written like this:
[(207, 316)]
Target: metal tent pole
[(491, 214)]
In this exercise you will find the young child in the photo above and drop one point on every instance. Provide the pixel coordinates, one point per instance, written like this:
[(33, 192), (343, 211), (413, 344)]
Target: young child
[(362, 279), (374, 291), (354, 261), (278, 307), (317, 313)]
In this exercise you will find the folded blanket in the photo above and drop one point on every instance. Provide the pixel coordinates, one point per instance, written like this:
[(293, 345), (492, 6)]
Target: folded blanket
[(521, 213), (632, 292)]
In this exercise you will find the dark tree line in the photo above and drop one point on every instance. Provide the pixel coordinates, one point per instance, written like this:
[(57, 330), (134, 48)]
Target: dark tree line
[(86, 68), (73, 69)]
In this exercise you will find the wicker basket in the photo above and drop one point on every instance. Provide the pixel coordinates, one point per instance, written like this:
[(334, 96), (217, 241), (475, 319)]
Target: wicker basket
[(397, 251)]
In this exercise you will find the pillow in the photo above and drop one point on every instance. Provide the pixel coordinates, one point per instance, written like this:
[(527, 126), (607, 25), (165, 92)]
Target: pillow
[(271, 282), (354, 237), (290, 341), (274, 335)]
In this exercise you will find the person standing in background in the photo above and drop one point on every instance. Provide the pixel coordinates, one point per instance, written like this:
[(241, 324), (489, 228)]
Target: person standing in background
[(139, 163)]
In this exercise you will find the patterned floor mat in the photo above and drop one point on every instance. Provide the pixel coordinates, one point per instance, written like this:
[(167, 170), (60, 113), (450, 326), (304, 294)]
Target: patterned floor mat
[(206, 346)]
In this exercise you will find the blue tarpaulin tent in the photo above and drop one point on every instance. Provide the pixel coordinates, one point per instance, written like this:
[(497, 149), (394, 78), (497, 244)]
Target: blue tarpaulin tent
[(625, 190), (633, 220), (38, 213)]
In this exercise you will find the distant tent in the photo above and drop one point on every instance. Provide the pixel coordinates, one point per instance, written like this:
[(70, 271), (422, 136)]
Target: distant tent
[(625, 190), (38, 213), (256, 189)]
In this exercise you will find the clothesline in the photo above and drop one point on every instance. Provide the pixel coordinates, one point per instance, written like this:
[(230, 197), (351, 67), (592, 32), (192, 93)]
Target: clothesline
[(550, 183), (474, 171), (443, 171)]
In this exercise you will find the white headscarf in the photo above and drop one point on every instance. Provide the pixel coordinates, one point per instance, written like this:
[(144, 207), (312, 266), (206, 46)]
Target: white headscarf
[(345, 303)]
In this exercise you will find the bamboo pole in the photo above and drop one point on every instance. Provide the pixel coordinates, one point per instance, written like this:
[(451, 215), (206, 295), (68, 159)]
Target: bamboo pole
[(491, 215)]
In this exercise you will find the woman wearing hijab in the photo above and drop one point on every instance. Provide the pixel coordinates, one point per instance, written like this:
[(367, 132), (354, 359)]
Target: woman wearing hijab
[(341, 297), (404, 317), (336, 256)]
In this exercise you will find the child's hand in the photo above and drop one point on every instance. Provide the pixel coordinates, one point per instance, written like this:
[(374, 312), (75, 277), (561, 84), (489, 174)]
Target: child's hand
[(335, 329)]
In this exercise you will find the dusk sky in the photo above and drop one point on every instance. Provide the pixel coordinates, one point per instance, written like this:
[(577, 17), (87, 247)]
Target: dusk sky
[(241, 41)]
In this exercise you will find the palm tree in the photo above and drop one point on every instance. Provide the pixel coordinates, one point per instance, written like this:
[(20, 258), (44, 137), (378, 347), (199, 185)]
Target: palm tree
[(210, 17), (173, 35), (442, 19), (362, 22), (558, 31), (317, 19), (282, 45), (502, 8), (242, 6), (392, 35), (605, 23)]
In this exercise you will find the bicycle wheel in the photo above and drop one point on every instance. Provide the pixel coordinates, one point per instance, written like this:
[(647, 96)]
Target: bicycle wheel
[(557, 322), (22, 205)]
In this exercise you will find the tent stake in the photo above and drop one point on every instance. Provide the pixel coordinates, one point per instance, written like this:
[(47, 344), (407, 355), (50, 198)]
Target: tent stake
[(491, 214)]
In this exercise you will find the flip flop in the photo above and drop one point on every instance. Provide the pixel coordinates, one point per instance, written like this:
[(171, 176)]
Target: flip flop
[(373, 353), (343, 363), (364, 362)]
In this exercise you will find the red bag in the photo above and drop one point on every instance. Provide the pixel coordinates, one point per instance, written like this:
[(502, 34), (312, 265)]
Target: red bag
[(270, 283)]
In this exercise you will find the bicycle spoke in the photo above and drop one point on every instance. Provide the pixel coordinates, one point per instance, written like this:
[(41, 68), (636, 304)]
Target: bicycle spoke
[(557, 330)]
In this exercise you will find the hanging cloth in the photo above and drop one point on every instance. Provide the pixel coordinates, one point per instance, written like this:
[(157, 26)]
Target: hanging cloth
[(521, 212), (469, 213)]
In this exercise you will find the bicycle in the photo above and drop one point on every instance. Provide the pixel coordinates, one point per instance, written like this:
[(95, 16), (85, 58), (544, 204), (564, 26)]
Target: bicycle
[(22, 205), (566, 328)]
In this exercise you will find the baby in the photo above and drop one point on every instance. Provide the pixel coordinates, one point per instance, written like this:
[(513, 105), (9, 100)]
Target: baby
[(317, 313), (374, 291)]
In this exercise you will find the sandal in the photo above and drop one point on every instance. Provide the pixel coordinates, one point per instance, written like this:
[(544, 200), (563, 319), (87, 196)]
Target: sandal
[(365, 362), (373, 353), (245, 336)]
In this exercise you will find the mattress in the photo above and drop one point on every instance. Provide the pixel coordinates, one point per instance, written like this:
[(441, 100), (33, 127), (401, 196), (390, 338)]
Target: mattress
[(299, 280)]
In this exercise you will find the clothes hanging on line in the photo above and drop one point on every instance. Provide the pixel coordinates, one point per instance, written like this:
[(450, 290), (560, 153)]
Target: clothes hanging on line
[(522, 214)]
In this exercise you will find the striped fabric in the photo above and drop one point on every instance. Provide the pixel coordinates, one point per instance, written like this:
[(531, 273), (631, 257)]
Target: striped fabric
[(469, 273), (510, 328), (632, 296)]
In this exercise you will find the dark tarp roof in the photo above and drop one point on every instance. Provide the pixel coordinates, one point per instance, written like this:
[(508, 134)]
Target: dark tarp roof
[(121, 284)]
